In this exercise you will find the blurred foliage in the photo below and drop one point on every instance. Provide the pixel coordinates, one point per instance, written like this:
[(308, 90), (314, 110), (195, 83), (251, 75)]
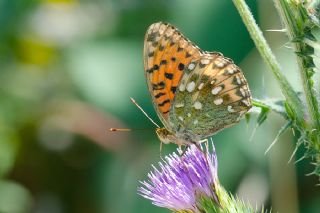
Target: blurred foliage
[(68, 68)]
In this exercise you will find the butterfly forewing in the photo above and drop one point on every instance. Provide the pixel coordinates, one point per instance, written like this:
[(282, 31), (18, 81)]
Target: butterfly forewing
[(166, 53)]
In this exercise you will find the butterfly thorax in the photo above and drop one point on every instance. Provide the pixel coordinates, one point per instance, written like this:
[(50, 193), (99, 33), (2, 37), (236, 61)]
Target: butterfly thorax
[(166, 137)]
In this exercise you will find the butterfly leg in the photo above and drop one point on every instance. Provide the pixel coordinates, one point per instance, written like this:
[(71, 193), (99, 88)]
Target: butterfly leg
[(198, 146), (185, 148), (204, 141), (160, 148), (206, 144)]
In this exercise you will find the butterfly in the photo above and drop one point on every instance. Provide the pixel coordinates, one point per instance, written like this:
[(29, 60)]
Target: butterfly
[(195, 93)]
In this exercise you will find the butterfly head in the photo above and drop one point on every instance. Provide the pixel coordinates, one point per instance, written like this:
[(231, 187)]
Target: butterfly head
[(166, 136)]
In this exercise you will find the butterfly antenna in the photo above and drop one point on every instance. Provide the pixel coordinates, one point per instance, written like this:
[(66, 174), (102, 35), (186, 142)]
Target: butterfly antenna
[(126, 129), (120, 130), (135, 103)]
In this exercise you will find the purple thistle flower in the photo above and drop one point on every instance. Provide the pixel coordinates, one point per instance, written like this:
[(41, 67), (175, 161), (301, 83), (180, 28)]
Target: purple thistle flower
[(182, 180)]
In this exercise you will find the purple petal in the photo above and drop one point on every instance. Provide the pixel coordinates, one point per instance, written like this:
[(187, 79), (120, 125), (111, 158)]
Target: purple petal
[(180, 179)]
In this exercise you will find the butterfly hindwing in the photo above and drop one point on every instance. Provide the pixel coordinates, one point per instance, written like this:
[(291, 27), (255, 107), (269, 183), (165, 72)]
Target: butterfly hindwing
[(213, 94)]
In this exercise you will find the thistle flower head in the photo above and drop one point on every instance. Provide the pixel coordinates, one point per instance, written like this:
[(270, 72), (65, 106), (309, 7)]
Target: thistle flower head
[(182, 180)]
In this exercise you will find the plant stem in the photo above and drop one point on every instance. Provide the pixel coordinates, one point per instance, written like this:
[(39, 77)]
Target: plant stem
[(266, 53), (295, 30)]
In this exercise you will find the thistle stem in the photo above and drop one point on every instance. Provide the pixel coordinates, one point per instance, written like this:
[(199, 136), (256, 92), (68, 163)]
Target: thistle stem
[(266, 53), (295, 32)]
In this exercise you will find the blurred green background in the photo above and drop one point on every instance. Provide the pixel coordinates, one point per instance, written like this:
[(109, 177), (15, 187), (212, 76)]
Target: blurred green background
[(68, 68)]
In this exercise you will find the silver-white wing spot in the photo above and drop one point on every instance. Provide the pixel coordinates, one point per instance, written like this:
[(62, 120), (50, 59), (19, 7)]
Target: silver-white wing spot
[(218, 101)]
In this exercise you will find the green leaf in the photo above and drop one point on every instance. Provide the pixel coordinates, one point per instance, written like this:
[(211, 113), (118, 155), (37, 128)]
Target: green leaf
[(289, 111), (261, 118), (281, 131), (298, 144), (276, 106), (248, 117), (263, 115)]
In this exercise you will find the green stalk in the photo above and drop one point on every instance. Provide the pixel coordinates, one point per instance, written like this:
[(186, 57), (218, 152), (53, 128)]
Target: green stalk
[(266, 53), (295, 19)]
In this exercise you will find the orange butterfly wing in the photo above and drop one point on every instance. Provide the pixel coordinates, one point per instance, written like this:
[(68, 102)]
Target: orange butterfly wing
[(166, 54)]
